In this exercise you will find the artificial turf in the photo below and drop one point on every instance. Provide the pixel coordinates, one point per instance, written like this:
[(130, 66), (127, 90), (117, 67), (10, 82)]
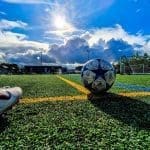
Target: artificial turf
[(38, 85), (108, 121), (139, 81)]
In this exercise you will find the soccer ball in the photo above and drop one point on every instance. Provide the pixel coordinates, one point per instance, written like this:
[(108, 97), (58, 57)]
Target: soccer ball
[(98, 75)]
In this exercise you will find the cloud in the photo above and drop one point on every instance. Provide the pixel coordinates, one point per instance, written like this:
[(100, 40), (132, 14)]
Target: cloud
[(2, 57), (27, 1), (117, 48), (14, 44), (107, 43), (116, 32), (61, 33), (102, 36), (6, 24), (2, 13), (30, 57), (11, 40), (145, 48), (75, 50)]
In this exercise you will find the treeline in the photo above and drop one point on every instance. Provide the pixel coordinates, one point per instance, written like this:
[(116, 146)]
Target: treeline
[(137, 59)]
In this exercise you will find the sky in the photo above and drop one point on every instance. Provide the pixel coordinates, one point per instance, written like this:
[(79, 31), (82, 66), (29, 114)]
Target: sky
[(72, 31)]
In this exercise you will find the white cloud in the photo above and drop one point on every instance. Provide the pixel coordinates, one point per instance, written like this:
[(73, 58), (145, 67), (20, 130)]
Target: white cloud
[(6, 24), (8, 36), (2, 13), (2, 57), (110, 43), (116, 32), (12, 40), (146, 47), (61, 33), (16, 41), (27, 1), (16, 46)]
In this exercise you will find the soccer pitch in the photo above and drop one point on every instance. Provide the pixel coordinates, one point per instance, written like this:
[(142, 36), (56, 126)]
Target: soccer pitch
[(58, 112)]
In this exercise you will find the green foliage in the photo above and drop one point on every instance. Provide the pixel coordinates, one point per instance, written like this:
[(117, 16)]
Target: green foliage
[(137, 59)]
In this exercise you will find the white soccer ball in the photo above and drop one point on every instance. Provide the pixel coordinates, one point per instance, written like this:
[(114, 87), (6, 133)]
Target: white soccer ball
[(98, 75)]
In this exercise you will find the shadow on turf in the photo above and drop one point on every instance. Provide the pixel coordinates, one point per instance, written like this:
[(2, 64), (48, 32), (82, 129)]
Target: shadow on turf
[(128, 110), (3, 123)]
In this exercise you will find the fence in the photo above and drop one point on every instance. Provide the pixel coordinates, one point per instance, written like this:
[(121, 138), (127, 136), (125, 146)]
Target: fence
[(135, 69)]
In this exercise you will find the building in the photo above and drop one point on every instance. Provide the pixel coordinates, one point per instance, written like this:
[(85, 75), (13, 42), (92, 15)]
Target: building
[(45, 68)]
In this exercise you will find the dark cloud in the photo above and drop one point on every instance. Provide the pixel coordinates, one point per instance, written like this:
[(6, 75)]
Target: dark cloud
[(32, 59), (118, 48), (76, 50)]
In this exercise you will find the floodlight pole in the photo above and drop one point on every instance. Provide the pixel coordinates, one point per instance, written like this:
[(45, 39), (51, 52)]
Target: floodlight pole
[(5, 57), (41, 58)]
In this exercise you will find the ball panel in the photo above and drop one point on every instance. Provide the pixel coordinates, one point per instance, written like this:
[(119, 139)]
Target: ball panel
[(92, 65), (99, 85), (105, 65), (109, 77), (89, 76)]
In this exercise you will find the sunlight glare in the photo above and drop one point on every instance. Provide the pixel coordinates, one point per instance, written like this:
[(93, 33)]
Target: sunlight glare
[(60, 22)]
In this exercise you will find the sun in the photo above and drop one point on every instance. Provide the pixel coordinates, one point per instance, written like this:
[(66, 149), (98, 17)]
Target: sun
[(61, 25), (60, 22)]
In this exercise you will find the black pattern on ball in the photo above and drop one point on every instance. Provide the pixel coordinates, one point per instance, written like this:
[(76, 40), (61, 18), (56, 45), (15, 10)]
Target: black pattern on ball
[(98, 75)]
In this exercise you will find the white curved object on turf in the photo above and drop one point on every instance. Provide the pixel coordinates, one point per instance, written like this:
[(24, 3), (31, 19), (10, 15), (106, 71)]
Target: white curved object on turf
[(9, 97)]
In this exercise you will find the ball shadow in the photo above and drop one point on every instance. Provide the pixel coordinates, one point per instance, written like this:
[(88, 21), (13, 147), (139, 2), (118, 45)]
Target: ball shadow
[(125, 109), (3, 123)]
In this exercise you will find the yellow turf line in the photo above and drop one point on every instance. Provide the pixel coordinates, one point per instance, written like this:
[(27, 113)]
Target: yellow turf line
[(135, 94), (57, 98), (75, 85), (85, 91), (76, 98)]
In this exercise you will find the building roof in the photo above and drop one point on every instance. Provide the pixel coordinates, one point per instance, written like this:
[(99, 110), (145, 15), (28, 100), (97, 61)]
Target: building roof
[(46, 64)]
